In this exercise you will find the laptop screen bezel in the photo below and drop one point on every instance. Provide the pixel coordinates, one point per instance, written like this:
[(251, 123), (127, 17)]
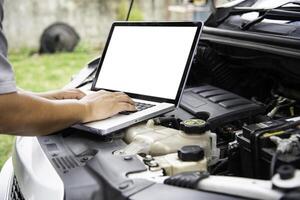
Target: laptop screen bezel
[(186, 70)]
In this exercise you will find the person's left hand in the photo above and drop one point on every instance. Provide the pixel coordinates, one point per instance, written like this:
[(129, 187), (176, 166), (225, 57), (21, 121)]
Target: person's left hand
[(63, 94)]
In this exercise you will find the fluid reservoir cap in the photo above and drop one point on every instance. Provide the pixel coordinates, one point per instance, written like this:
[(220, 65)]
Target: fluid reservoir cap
[(194, 126), (286, 172), (190, 153)]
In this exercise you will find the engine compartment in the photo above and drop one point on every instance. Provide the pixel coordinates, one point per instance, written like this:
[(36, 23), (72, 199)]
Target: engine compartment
[(254, 102), (268, 80), (238, 122)]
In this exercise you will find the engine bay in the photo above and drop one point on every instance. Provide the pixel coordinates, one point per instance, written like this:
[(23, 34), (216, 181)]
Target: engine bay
[(238, 123)]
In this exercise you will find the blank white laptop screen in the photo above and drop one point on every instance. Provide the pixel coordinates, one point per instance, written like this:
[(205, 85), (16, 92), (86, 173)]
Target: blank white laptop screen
[(146, 60)]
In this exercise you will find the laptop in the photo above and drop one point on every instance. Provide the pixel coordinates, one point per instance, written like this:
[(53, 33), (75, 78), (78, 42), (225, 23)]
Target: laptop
[(150, 62)]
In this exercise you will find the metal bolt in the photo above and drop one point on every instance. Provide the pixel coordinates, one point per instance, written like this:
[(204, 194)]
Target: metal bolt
[(127, 158), (123, 186), (153, 163), (148, 158)]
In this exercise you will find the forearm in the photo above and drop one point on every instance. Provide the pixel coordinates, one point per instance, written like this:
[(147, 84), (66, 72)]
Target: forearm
[(26, 114), (57, 94), (47, 95)]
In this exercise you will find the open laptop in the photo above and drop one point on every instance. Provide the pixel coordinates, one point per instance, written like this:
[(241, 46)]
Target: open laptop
[(150, 62)]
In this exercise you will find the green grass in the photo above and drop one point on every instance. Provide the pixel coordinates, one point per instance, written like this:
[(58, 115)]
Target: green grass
[(41, 73), (6, 143)]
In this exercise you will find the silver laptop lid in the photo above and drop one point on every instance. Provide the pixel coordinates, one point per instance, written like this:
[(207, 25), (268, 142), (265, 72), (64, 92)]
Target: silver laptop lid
[(148, 60)]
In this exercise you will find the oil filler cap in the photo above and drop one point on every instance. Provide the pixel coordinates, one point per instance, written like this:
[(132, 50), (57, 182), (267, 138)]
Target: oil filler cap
[(190, 153), (194, 126)]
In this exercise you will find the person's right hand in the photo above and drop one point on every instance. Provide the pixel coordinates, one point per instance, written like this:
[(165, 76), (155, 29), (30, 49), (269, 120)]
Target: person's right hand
[(103, 104)]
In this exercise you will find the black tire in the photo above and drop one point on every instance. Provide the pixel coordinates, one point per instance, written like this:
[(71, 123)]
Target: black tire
[(58, 37)]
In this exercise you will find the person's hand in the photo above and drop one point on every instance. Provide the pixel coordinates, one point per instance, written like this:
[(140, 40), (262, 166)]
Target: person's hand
[(103, 104), (63, 94)]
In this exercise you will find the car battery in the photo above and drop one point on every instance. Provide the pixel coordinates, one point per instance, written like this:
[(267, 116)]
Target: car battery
[(256, 148)]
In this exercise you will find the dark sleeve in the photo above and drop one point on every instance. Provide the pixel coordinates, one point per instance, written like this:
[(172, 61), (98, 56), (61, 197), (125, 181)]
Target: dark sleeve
[(7, 79)]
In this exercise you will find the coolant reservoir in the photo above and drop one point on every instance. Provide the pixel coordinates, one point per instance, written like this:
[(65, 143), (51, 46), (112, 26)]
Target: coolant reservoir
[(159, 140), (173, 165)]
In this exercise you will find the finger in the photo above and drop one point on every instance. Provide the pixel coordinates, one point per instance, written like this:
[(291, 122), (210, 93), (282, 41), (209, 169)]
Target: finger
[(126, 107), (125, 98), (119, 93)]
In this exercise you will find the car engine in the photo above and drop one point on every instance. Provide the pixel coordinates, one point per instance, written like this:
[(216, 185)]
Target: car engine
[(235, 135)]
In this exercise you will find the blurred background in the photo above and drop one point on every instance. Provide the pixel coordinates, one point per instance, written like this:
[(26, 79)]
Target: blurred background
[(26, 20), (90, 20)]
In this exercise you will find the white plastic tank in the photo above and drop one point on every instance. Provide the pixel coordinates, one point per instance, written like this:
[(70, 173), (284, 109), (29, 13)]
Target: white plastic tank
[(159, 140), (172, 165)]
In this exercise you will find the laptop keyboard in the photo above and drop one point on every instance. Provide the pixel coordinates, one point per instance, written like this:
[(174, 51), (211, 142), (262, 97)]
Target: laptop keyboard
[(139, 107)]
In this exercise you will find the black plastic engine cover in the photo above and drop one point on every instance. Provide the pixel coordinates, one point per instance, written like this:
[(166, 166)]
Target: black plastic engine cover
[(218, 106)]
